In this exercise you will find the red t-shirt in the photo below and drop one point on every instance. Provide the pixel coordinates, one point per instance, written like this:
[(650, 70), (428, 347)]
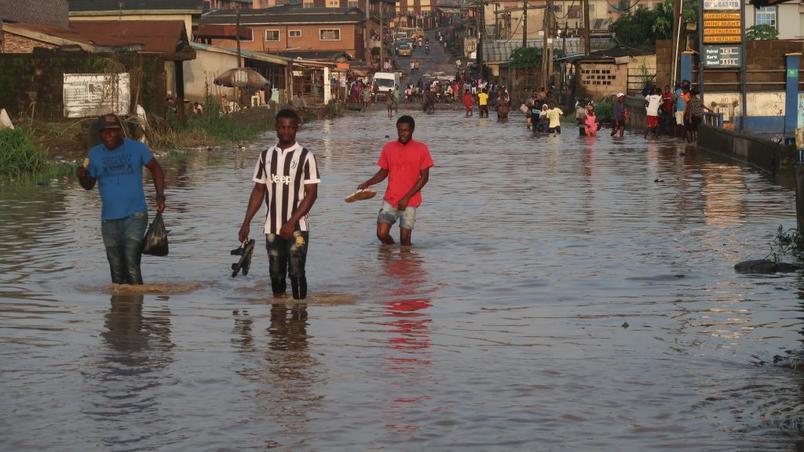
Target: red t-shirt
[(667, 102), (404, 163)]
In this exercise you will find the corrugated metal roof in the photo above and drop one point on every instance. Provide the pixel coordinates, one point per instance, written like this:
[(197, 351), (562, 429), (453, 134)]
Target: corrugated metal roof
[(156, 36), (138, 5), (285, 14), (258, 56)]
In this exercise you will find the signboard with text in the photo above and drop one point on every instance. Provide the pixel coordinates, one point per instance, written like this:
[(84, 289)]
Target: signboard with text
[(722, 27), (722, 56), (721, 5)]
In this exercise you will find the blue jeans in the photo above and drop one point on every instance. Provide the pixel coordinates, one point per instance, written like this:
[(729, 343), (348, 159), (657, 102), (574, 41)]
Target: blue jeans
[(288, 257), (123, 241)]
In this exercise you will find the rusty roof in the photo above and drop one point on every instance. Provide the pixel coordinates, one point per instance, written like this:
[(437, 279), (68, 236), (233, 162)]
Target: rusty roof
[(155, 36), (167, 38)]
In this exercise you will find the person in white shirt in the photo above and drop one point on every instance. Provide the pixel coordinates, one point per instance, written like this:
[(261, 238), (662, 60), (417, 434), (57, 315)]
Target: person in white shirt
[(652, 103)]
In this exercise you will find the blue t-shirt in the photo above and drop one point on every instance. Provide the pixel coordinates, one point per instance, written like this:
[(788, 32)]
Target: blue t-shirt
[(119, 174), (680, 104)]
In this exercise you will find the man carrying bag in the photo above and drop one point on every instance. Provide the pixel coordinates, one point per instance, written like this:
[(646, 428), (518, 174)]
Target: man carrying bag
[(116, 165)]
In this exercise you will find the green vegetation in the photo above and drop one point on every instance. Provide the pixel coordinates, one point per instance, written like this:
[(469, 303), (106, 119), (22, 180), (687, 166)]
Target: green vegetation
[(604, 108), (642, 27), (526, 58), (761, 33), (786, 243), (19, 153), (210, 127)]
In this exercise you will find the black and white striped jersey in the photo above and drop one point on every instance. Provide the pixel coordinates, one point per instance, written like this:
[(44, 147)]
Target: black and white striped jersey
[(285, 173)]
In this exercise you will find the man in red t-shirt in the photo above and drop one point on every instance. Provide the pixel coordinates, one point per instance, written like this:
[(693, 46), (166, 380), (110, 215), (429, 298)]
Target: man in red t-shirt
[(406, 163)]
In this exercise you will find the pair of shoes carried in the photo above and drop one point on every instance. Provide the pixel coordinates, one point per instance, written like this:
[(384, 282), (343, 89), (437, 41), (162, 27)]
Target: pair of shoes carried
[(245, 251)]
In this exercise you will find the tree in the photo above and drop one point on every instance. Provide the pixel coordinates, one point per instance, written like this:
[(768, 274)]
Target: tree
[(526, 58), (641, 27), (761, 33)]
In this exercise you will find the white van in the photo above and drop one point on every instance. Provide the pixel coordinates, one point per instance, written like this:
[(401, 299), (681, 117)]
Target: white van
[(386, 81)]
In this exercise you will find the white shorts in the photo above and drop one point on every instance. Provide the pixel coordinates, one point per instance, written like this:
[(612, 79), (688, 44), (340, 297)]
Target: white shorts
[(679, 118)]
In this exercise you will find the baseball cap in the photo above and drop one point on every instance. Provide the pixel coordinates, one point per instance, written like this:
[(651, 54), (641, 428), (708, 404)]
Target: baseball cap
[(109, 121)]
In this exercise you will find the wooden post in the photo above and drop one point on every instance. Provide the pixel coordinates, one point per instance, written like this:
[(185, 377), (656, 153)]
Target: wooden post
[(587, 45), (524, 23), (179, 66), (799, 170)]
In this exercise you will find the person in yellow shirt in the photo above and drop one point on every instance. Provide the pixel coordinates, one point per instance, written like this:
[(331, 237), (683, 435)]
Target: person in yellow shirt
[(554, 115), (483, 103)]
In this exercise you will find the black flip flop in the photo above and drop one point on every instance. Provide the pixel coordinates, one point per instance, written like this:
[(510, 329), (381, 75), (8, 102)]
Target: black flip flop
[(245, 251)]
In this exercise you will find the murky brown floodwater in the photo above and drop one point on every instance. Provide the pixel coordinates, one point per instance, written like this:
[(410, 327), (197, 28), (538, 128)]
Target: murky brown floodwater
[(556, 298)]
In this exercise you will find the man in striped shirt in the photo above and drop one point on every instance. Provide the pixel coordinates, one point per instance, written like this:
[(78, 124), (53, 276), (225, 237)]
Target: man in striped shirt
[(286, 177)]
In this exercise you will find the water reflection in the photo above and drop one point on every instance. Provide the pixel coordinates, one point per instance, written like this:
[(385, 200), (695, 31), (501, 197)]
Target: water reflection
[(407, 316), (124, 390)]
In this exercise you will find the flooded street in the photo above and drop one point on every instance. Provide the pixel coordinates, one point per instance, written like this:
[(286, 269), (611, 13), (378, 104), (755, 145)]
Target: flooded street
[(562, 293)]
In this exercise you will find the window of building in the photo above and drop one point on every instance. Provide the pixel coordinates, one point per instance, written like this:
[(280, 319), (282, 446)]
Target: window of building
[(574, 12), (307, 4), (333, 3), (591, 9), (329, 34), (294, 34), (272, 35), (250, 35), (353, 4), (766, 16)]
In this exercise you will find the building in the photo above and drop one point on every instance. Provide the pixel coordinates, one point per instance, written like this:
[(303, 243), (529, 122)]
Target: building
[(211, 61), (50, 12), (787, 18), (320, 32), (187, 11), (617, 70)]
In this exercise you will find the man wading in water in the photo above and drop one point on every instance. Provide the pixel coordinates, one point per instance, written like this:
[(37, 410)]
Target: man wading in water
[(286, 177), (406, 163), (116, 165)]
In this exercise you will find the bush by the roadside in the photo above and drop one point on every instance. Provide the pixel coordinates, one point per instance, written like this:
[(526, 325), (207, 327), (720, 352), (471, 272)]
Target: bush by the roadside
[(19, 155)]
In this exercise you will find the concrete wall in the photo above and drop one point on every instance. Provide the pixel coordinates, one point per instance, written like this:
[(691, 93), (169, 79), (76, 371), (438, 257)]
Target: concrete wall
[(767, 155), (602, 79), (200, 73), (39, 78), (53, 12)]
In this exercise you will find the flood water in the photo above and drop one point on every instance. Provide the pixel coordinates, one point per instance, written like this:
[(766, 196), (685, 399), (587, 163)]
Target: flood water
[(562, 293)]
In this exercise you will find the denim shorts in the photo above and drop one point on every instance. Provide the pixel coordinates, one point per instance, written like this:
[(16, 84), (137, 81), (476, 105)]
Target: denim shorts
[(389, 214)]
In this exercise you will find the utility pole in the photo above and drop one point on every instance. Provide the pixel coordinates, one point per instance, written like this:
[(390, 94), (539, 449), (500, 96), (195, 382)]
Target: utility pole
[(524, 23), (382, 41), (546, 57), (237, 36), (496, 22), (367, 48), (586, 41)]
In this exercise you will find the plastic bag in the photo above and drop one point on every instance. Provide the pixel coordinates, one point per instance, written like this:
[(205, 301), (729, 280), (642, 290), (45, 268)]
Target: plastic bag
[(156, 239)]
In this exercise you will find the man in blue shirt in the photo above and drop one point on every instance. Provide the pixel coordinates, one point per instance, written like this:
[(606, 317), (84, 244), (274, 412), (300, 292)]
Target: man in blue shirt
[(116, 165)]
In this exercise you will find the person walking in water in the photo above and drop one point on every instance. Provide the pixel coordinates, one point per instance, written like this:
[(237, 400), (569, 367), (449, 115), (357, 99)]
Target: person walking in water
[(590, 121), (468, 102), (483, 103), (286, 179), (554, 116), (116, 165), (652, 103), (618, 111), (406, 163)]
